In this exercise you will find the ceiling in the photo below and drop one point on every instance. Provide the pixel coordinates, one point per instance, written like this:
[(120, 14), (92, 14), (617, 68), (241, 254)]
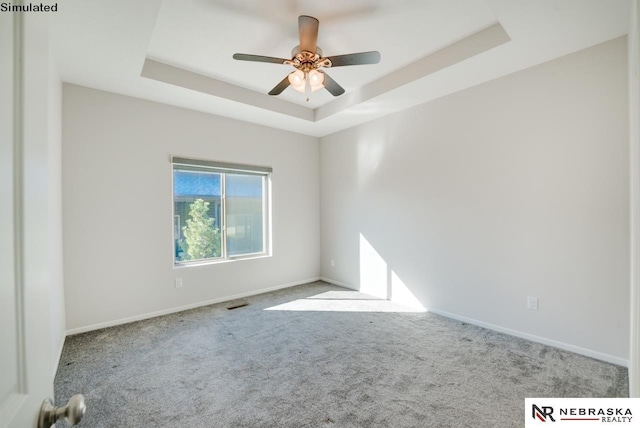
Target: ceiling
[(179, 52)]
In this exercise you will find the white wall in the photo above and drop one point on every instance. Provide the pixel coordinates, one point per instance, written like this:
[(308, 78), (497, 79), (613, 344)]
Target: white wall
[(117, 206), (39, 230), (518, 187), (54, 179), (634, 142), (42, 219)]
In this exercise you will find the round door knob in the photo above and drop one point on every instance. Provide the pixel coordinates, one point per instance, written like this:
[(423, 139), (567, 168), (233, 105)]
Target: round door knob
[(72, 412)]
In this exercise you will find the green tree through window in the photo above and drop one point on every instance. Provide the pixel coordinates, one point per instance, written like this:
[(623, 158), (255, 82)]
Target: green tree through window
[(201, 236), (220, 211)]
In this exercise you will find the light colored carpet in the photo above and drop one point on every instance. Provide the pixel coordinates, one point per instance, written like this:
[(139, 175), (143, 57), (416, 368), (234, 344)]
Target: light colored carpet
[(317, 355)]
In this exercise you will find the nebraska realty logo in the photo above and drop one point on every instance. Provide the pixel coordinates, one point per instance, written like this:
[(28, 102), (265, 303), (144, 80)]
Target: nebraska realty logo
[(581, 412)]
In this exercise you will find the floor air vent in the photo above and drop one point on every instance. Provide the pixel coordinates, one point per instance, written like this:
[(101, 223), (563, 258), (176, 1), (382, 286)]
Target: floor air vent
[(239, 305)]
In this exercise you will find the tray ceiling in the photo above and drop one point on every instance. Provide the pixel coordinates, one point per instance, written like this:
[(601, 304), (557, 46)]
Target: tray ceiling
[(180, 52)]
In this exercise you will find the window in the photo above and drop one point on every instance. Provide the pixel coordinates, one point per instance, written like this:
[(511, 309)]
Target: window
[(220, 210)]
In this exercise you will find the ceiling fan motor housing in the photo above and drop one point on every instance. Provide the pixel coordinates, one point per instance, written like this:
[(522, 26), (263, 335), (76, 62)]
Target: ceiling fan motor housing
[(307, 61)]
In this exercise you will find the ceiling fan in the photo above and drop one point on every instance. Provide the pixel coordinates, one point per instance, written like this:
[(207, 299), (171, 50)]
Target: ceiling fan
[(307, 58)]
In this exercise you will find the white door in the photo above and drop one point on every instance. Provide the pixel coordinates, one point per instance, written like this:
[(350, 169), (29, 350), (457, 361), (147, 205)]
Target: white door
[(26, 368)]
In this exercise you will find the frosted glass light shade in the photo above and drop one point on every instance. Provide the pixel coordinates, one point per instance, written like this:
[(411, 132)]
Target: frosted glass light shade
[(316, 78), (297, 80)]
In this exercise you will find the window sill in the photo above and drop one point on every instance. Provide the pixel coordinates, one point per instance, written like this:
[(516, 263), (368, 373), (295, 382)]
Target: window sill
[(183, 265)]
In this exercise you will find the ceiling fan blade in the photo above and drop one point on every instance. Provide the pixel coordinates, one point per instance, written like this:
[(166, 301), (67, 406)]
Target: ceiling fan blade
[(259, 58), (371, 57), (308, 29), (277, 90), (332, 86)]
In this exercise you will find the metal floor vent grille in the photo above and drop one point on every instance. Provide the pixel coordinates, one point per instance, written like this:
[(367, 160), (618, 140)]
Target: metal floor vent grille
[(236, 306)]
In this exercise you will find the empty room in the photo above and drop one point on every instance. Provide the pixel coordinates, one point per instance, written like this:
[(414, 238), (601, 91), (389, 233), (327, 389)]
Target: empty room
[(374, 213)]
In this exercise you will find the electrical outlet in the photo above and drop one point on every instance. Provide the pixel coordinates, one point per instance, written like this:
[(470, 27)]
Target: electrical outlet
[(532, 303), (178, 282), (333, 263)]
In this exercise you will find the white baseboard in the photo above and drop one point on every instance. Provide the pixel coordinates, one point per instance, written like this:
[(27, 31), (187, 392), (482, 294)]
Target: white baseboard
[(154, 314), (555, 343), (341, 284), (58, 356)]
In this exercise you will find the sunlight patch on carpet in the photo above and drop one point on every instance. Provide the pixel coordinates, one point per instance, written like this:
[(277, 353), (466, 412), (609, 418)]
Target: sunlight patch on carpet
[(343, 301)]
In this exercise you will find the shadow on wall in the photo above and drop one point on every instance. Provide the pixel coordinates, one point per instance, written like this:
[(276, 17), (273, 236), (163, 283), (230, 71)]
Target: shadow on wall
[(381, 290), (365, 215), (376, 146), (379, 280)]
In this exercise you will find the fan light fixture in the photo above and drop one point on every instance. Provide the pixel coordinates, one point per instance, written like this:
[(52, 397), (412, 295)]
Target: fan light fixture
[(306, 58), (301, 81)]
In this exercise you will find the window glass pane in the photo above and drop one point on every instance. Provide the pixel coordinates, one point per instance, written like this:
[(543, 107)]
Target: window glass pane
[(197, 200), (244, 207)]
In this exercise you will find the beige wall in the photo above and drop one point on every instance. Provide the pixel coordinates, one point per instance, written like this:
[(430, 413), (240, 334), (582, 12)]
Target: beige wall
[(518, 187), (116, 151)]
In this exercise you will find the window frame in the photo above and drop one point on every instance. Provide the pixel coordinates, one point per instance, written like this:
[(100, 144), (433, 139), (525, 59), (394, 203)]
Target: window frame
[(224, 168)]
